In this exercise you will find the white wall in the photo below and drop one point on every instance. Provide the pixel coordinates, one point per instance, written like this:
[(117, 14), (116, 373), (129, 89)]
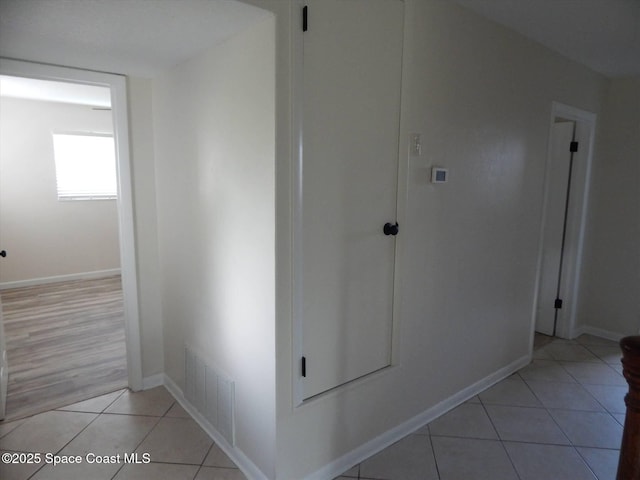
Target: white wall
[(45, 237), (144, 203), (611, 268), (481, 97), (215, 186)]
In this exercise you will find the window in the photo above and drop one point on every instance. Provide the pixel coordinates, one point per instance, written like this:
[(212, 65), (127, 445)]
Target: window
[(85, 166)]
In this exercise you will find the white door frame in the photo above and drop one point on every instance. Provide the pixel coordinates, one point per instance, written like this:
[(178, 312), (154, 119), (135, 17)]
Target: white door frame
[(585, 133), (297, 98), (4, 370), (118, 86)]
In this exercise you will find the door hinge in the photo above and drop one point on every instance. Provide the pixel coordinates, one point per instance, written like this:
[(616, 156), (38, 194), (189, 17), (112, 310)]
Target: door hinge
[(558, 303), (305, 18), (304, 366), (573, 147)]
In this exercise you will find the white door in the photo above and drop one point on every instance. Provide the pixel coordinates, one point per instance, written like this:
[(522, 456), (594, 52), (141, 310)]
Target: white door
[(4, 366), (351, 115), (562, 134)]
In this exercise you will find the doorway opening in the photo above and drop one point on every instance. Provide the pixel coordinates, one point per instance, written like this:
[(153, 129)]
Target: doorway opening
[(566, 187), (113, 291)]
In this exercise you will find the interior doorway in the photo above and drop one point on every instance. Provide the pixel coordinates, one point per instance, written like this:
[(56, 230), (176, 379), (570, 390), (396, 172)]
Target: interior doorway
[(116, 84), (566, 188)]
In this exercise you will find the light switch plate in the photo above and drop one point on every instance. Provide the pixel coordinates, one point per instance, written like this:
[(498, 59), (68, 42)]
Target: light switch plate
[(415, 144)]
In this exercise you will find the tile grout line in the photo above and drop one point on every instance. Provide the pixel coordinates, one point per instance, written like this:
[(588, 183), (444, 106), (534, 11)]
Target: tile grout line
[(556, 422), (97, 415), (573, 446), (204, 459), (433, 452), (504, 448), (145, 437), (602, 362), (604, 409), (587, 464)]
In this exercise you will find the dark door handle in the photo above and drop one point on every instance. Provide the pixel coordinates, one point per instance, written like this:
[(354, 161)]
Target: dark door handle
[(390, 229), (3, 253)]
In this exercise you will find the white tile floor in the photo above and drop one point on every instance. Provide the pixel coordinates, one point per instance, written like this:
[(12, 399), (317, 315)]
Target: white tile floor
[(149, 422), (559, 418)]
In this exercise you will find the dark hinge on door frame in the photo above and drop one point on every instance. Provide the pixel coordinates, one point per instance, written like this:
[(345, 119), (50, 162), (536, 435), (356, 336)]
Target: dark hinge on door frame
[(557, 303), (304, 366), (573, 147), (305, 18)]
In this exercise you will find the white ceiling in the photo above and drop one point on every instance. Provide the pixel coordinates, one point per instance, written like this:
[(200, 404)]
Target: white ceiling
[(133, 37), (602, 34), (145, 37)]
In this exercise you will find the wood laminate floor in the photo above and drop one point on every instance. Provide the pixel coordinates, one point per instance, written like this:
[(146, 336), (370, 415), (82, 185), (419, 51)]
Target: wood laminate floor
[(65, 343)]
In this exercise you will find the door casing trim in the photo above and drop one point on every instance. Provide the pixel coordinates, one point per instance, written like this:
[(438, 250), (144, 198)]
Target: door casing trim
[(566, 326), (118, 86)]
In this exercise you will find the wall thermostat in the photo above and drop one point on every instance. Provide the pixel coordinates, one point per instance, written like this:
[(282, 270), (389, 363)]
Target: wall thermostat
[(439, 175)]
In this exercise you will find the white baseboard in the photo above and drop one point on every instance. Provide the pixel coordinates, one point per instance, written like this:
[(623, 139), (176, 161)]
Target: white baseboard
[(598, 332), (153, 381), (247, 467), (390, 437), (361, 453), (60, 278)]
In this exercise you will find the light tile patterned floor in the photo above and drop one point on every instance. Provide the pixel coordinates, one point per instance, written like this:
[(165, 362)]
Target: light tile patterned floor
[(559, 418), (149, 422)]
